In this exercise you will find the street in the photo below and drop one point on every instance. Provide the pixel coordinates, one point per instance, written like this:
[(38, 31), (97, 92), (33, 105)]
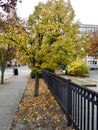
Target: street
[(21, 70)]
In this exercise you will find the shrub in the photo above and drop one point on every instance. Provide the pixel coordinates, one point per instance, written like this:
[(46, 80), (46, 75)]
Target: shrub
[(77, 68), (32, 74)]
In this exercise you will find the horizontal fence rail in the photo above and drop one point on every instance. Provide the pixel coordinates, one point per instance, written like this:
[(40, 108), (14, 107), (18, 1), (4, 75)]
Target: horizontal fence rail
[(79, 103)]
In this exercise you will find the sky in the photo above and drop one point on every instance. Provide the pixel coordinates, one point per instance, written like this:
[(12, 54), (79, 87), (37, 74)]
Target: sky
[(86, 11)]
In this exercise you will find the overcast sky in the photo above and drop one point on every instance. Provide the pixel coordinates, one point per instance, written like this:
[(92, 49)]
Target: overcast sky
[(86, 11)]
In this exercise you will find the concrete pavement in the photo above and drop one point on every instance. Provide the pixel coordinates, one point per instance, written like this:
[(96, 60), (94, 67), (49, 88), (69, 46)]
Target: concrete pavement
[(93, 78), (10, 95)]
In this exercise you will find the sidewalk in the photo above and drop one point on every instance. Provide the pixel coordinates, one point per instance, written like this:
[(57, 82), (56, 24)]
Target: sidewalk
[(10, 95)]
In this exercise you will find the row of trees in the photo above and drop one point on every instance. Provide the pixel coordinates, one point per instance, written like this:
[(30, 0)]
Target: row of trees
[(48, 39)]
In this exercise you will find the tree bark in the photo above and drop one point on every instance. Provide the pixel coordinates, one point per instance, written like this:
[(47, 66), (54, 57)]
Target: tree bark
[(2, 76), (36, 85), (3, 65)]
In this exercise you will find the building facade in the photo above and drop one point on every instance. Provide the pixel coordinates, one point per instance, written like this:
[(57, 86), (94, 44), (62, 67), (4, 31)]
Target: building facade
[(88, 28)]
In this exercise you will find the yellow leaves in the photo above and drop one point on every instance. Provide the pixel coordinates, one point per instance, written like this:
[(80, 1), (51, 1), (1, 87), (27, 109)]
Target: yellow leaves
[(78, 68), (51, 35)]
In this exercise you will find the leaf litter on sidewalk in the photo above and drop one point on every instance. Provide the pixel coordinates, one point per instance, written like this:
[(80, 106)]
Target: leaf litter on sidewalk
[(39, 113)]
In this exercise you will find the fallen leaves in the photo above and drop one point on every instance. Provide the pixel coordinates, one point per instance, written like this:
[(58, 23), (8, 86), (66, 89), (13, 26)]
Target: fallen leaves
[(40, 112)]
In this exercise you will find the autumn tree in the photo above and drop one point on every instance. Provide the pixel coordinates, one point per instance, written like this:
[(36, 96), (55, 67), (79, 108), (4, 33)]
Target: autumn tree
[(7, 53), (8, 5), (52, 37), (93, 44), (7, 50)]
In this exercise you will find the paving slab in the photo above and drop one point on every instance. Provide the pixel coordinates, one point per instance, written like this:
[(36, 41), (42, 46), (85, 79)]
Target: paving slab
[(10, 95)]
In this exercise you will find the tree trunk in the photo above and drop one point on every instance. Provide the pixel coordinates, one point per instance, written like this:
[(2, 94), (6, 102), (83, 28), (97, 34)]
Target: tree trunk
[(36, 85), (2, 76)]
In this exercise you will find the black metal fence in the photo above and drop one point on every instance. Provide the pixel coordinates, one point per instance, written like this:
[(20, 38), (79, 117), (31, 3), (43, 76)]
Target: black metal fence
[(79, 103)]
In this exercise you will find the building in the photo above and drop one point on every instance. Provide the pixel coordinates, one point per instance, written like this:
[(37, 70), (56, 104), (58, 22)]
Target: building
[(88, 28)]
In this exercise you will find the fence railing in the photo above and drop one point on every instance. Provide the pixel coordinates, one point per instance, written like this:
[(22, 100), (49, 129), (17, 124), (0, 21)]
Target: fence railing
[(79, 103)]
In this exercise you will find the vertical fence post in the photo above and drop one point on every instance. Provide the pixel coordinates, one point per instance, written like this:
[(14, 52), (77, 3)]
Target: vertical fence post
[(79, 103), (69, 102)]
